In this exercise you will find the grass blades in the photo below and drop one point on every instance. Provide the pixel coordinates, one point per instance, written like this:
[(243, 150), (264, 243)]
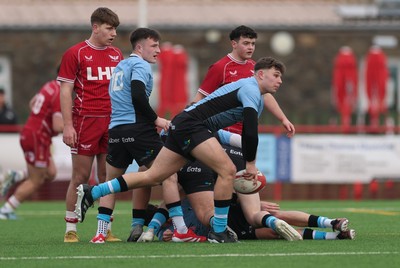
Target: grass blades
[(36, 240)]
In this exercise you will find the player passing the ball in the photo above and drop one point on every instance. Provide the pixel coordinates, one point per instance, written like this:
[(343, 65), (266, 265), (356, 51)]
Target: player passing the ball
[(189, 138)]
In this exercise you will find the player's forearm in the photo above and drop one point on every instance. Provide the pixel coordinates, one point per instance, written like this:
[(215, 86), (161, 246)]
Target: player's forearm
[(250, 134), (199, 96), (58, 124), (273, 107), (141, 102), (66, 106)]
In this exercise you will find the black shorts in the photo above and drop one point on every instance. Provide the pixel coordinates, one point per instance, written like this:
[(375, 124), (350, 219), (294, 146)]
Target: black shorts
[(139, 142), (239, 224), (235, 154), (196, 177), (185, 133)]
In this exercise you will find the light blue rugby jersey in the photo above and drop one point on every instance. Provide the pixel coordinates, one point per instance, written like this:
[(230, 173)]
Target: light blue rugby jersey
[(224, 136), (224, 107), (132, 68)]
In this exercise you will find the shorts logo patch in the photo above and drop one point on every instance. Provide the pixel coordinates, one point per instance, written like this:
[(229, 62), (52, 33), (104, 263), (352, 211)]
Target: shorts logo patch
[(111, 140), (86, 146), (127, 139), (193, 169), (186, 144)]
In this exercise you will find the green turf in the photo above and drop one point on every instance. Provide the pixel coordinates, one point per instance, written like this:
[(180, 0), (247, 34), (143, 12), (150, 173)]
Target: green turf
[(36, 240)]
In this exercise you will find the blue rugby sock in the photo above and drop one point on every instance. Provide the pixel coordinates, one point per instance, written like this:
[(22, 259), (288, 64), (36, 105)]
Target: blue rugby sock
[(220, 220), (137, 221), (318, 235), (106, 188), (104, 217), (176, 213), (269, 221), (138, 216), (158, 220)]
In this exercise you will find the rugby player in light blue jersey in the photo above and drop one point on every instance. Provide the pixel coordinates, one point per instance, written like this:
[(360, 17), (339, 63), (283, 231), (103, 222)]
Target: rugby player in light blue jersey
[(189, 138), (129, 90), (133, 134)]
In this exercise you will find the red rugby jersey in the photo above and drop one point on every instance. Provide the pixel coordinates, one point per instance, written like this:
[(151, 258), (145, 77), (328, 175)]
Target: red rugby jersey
[(89, 68), (225, 71), (46, 103)]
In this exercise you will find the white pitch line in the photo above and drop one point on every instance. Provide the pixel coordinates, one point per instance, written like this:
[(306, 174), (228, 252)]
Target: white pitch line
[(201, 256)]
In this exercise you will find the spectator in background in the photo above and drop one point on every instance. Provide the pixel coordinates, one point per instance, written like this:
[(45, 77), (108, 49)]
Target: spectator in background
[(7, 115)]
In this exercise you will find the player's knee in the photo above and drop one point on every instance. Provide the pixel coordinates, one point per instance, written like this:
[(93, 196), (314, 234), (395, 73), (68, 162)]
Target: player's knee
[(230, 170), (171, 180), (205, 217), (38, 179), (80, 179), (152, 180), (50, 174)]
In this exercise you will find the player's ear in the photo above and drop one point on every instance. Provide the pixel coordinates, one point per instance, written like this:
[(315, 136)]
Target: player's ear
[(139, 47), (234, 43), (260, 74), (95, 27)]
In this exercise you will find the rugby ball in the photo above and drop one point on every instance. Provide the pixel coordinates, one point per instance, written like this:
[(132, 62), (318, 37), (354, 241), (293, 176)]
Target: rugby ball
[(243, 186)]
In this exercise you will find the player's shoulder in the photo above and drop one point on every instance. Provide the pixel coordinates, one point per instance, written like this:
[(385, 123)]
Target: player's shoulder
[(51, 87), (137, 62), (251, 61), (115, 49), (221, 63), (247, 86), (74, 50), (78, 46)]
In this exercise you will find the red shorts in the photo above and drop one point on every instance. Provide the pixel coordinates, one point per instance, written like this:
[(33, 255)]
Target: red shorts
[(36, 148), (236, 128), (92, 135)]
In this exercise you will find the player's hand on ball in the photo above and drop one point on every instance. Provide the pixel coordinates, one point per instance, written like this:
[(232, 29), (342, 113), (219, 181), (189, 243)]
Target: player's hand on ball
[(242, 184)]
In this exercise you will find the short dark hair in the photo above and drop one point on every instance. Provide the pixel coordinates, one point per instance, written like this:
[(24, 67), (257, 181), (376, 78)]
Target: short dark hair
[(2, 91), (242, 31), (142, 34), (104, 15), (268, 63)]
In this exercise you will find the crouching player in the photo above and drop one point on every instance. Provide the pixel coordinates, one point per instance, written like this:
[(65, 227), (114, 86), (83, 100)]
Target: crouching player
[(249, 217)]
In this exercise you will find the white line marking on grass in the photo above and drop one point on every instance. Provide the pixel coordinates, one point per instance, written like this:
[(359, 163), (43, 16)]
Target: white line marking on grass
[(201, 256)]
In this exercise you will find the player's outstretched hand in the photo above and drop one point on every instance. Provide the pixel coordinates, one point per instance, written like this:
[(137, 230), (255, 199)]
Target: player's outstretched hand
[(289, 127), (269, 206)]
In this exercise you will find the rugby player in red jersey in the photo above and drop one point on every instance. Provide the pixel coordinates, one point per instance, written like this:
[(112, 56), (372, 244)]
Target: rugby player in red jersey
[(44, 122), (234, 66), (85, 72)]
